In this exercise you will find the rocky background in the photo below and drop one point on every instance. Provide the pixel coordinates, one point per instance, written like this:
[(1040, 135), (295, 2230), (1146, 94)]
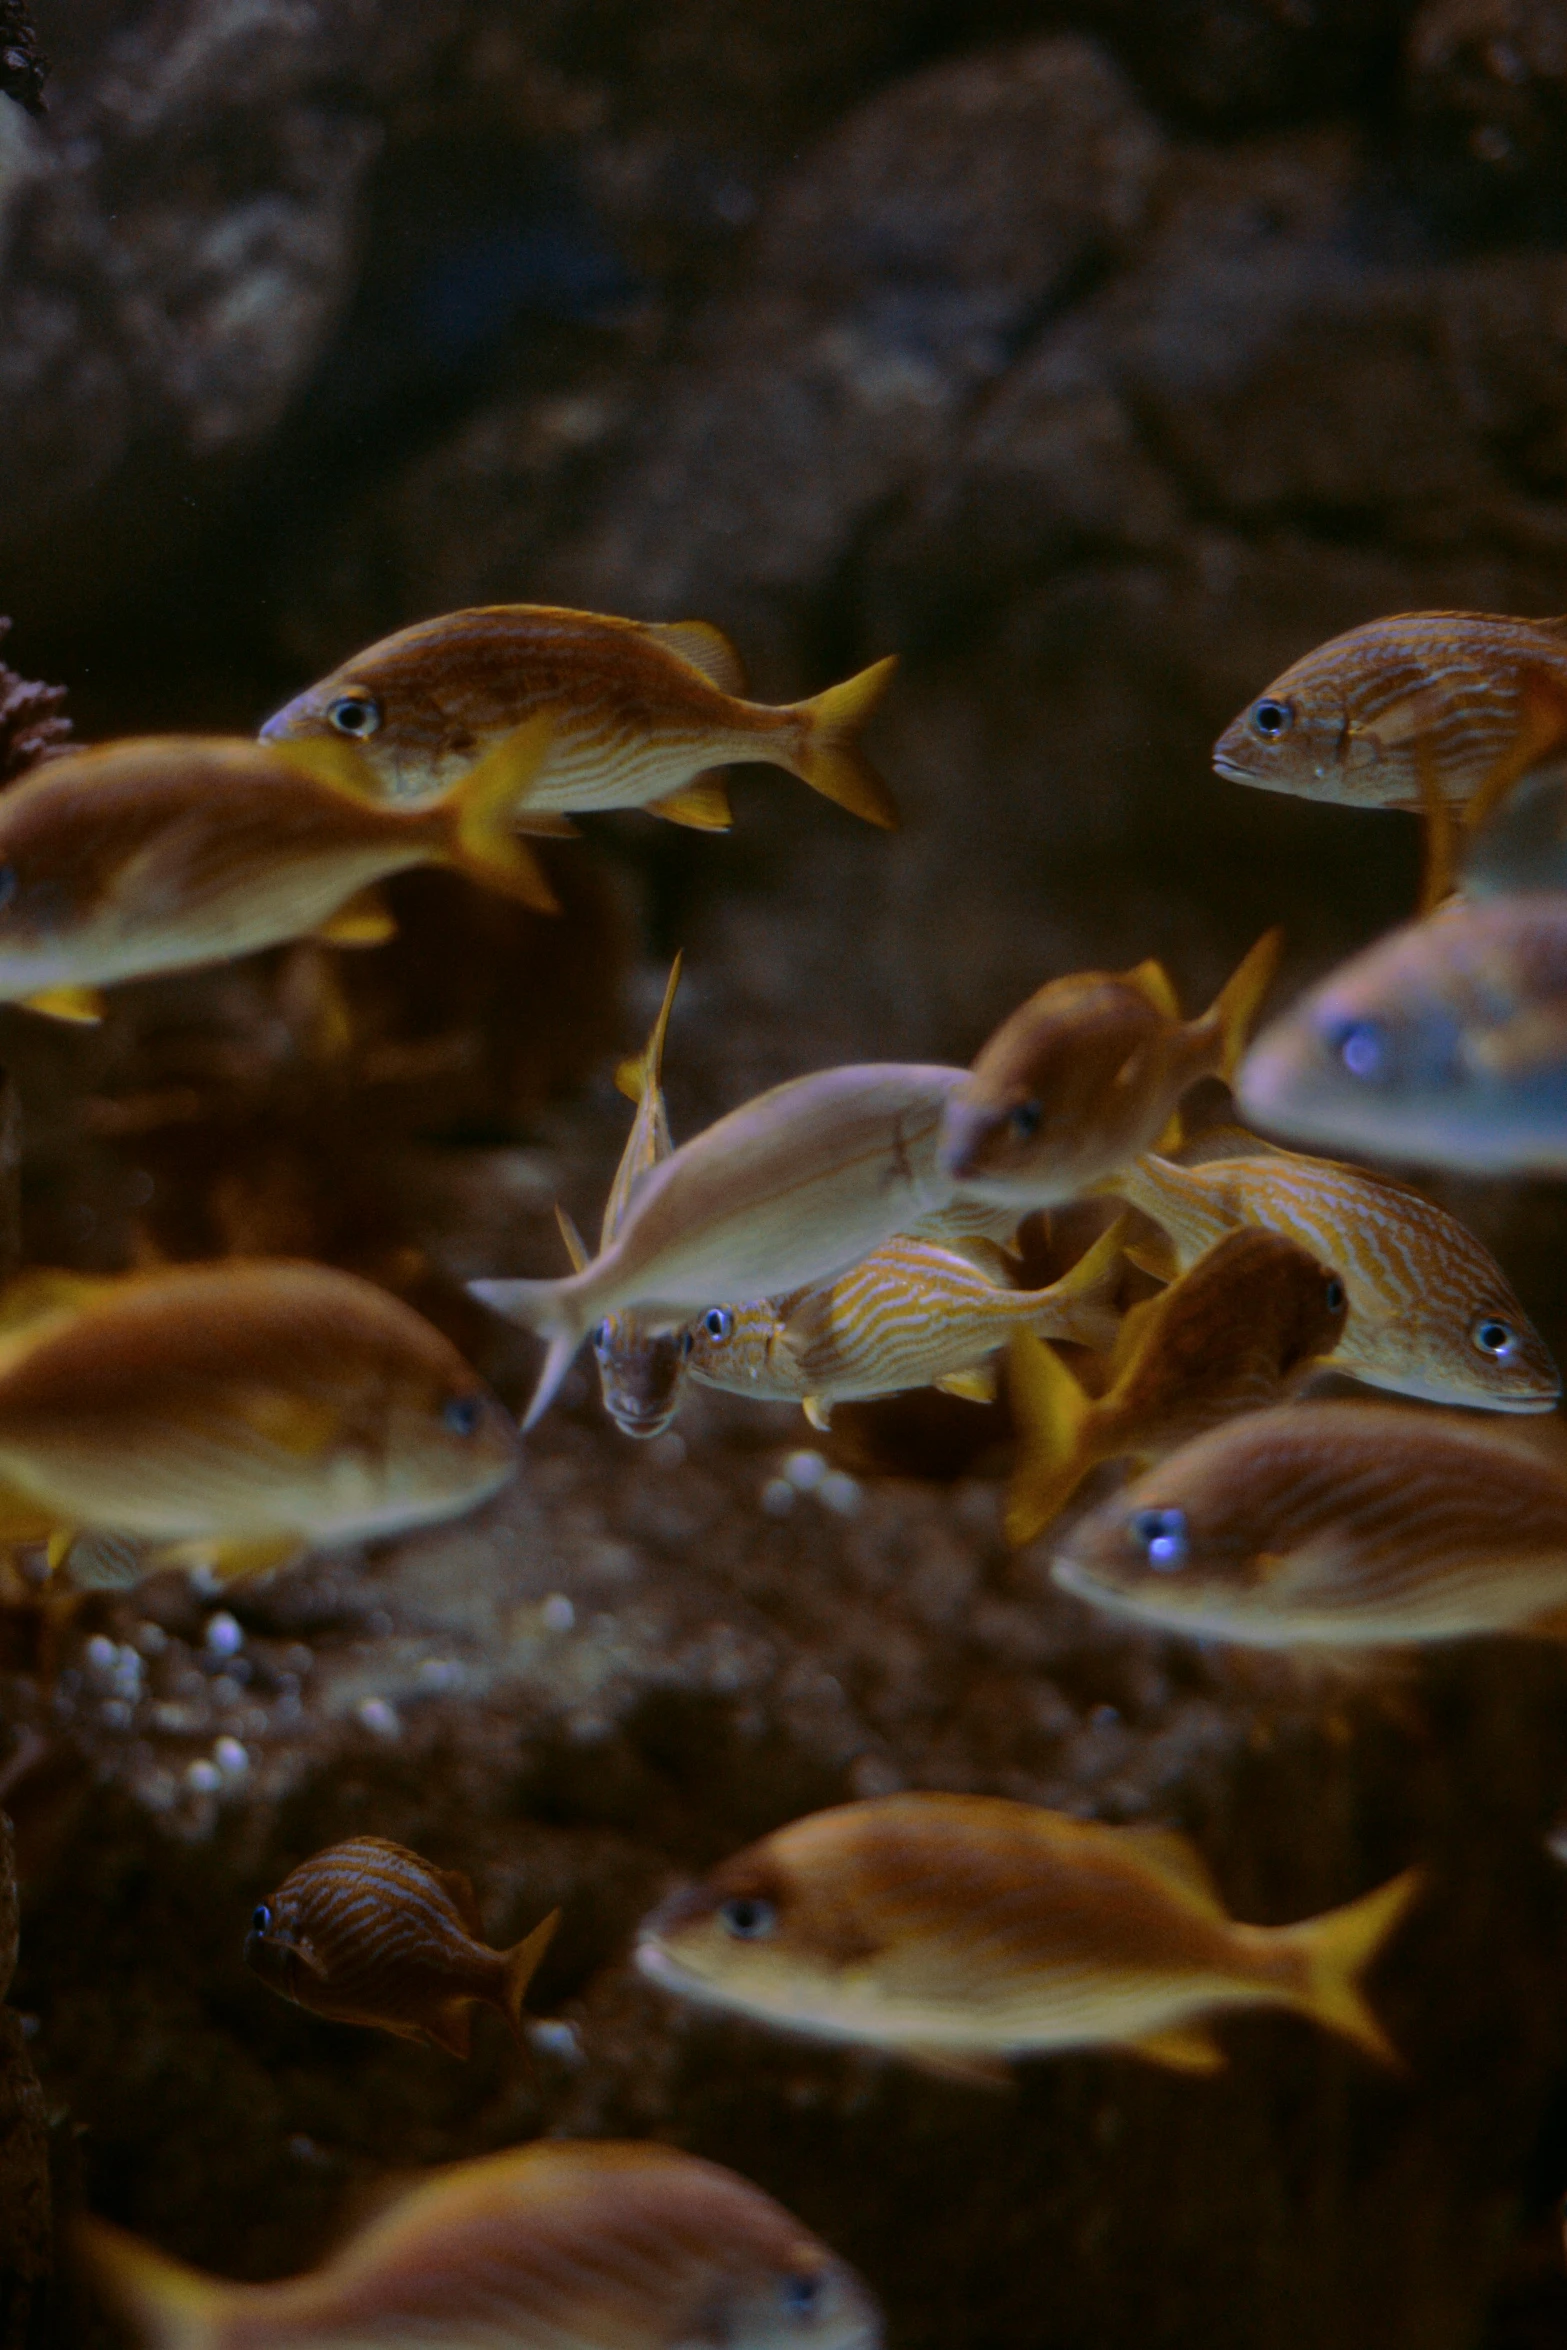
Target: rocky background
[(1097, 359)]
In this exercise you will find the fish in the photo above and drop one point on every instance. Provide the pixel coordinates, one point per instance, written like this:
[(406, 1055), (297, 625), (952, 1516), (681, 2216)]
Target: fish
[(368, 1932), (1523, 847), (910, 1314), (238, 1414), (966, 1931), (642, 1371), (1250, 1321), (1332, 1525), (1087, 1074), (1431, 1313), (641, 714), (165, 852), (789, 1189), (1445, 1044), (553, 2246)]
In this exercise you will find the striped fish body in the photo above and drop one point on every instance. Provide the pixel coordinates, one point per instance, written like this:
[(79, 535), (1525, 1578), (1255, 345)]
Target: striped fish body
[(909, 1315), (640, 713), (1431, 1313), (1460, 703), (553, 2246), (1332, 1525), (969, 1929)]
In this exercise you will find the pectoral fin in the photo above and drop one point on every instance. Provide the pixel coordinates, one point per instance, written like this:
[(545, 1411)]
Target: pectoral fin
[(83, 1006), (703, 805), (548, 822), (296, 1423), (818, 1410), (450, 2026), (364, 920), (975, 1385), (1185, 2048)]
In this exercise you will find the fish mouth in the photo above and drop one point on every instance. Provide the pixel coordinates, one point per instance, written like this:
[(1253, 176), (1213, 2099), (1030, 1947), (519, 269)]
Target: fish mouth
[(965, 1137), (654, 1963), (642, 1425)]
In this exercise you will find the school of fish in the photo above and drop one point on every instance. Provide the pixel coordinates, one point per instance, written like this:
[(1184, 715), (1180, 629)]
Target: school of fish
[(851, 1234)]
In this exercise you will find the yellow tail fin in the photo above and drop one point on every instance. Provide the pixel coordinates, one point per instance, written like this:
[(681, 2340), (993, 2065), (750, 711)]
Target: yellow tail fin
[(522, 1964), (1082, 1302), (484, 843), (1052, 1413), (173, 2307), (646, 1068), (1338, 1950), (830, 759), (1236, 1003)]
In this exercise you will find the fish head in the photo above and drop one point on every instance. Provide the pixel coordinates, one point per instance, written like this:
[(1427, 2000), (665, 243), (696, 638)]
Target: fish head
[(1255, 1300), (1295, 737), (733, 1346), (1066, 1088), (449, 1443), (798, 2298), (278, 1948), (766, 1934), (642, 1373), (419, 718)]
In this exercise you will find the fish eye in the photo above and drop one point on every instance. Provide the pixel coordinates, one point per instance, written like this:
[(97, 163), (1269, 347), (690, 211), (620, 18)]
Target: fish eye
[(462, 1414), (356, 714), (261, 1920), (1334, 1294), (1271, 718), (718, 1322), (1025, 1120), (1161, 1535), (10, 883), (1494, 1337), (748, 1917), (802, 2295), (1361, 1046)]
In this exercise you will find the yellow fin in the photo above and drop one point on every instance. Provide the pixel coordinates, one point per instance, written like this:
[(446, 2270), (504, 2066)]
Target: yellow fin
[(449, 2025), (522, 1964), (482, 809), (1083, 1297), (364, 920), (40, 1294), (59, 1550), (1543, 725), (331, 760), (818, 1410), (1339, 1948), (232, 1561), (1439, 867), (81, 1005), (173, 2307), (1172, 1137), (646, 1068), (1177, 1860), (1185, 2048), (1152, 980), (546, 821), (1237, 1002), (830, 759), (1156, 1257), (575, 1247), (703, 805), (952, 2064), (1052, 1414), (975, 1385), (704, 647)]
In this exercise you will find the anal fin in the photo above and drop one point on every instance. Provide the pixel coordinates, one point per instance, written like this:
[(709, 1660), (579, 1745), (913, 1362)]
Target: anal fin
[(703, 805), (547, 822), (818, 1410), (364, 920), (975, 1385), (1185, 2048), (83, 1006)]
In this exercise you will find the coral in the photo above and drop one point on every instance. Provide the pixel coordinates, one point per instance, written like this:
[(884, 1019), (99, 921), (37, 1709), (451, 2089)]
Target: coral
[(23, 67), (32, 719)]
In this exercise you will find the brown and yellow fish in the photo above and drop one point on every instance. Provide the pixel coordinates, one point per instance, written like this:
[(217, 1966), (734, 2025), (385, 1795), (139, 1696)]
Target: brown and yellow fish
[(1087, 1074), (160, 854), (1332, 1525), (910, 1314), (368, 1932), (1250, 1321), (788, 1190), (554, 2246), (963, 1931), (1431, 1312), (239, 1412), (640, 714)]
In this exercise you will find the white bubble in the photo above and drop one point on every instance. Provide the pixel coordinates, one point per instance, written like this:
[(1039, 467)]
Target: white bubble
[(380, 1719), (805, 1470), (231, 1758), (777, 1497), (557, 1614), (203, 1778), (224, 1636), (840, 1493)]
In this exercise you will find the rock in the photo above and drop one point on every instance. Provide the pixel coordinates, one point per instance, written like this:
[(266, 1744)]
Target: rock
[(33, 723), (1487, 94), (23, 67), (26, 2248)]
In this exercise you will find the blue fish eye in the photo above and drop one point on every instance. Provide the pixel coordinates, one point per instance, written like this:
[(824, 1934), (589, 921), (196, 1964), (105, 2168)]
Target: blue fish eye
[(1494, 1337), (802, 2295), (1271, 718), (1026, 1119), (463, 1414), (261, 1920), (355, 714), (1335, 1294), (1361, 1046), (748, 1917), (1162, 1537), (718, 1322), (10, 883)]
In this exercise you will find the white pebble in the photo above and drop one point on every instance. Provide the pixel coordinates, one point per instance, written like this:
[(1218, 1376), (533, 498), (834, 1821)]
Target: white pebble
[(226, 1691), (203, 1778), (552, 2036), (151, 1639), (128, 1671), (805, 1470), (380, 1719), (440, 1672), (203, 1581), (777, 1497), (231, 1758), (224, 1636), (557, 1614), (101, 1656), (116, 1714), (840, 1493)]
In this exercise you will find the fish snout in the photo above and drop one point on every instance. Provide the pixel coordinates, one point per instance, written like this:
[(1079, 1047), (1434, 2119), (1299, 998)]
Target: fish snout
[(968, 1131)]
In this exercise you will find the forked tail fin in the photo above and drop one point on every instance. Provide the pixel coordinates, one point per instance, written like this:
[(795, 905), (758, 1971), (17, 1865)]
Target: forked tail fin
[(544, 1306), (1081, 1305), (1339, 1948), (1051, 1411), (830, 759), (172, 2307), (522, 1964), (1236, 1004), (481, 811)]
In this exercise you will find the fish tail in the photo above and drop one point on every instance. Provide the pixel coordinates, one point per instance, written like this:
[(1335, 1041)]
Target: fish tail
[(829, 758), (522, 1964), (1339, 1948), (550, 1309), (1051, 1411), (1236, 1004), (172, 2307), (480, 811), (646, 1068), (1082, 1303)]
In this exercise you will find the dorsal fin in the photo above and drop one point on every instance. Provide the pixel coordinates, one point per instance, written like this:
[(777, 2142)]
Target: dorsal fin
[(1152, 980), (464, 1900), (645, 1068), (1224, 1142), (704, 647), (1176, 1859)]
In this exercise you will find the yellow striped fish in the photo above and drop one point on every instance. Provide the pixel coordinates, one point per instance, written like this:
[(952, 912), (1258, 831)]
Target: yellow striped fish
[(963, 1931), (909, 1315), (789, 1190), (641, 713), (552, 2246), (1333, 1525), (1431, 1313)]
